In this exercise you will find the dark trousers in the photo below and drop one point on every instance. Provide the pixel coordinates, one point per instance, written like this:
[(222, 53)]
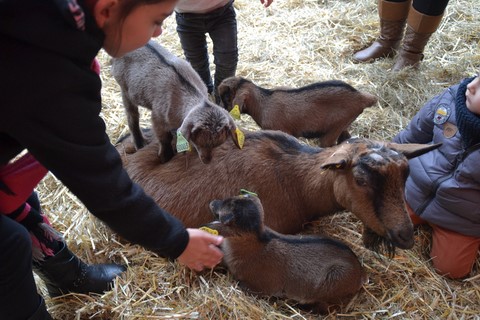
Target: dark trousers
[(428, 7), (221, 25), (18, 292)]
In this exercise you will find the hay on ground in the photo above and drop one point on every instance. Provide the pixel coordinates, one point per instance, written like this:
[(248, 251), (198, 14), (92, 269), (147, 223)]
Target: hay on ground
[(292, 43)]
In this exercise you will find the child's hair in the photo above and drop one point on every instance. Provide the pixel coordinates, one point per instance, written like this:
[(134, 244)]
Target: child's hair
[(128, 5)]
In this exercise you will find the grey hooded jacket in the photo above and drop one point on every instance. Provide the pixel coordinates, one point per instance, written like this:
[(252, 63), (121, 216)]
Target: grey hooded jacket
[(443, 187)]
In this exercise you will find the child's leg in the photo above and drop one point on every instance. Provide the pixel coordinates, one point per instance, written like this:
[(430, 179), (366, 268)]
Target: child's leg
[(223, 31), (192, 31), (18, 292), (416, 220), (453, 254)]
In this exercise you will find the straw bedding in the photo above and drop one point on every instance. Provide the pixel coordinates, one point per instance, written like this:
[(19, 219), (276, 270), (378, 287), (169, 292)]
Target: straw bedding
[(292, 43)]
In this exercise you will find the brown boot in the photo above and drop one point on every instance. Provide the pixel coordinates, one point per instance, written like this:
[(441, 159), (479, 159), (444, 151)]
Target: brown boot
[(419, 29), (393, 16)]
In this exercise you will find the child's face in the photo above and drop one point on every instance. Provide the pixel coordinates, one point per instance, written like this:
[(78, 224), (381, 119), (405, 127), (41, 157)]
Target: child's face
[(473, 96), (142, 23)]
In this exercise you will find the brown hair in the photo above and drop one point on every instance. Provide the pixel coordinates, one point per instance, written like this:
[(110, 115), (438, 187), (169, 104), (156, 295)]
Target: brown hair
[(127, 6)]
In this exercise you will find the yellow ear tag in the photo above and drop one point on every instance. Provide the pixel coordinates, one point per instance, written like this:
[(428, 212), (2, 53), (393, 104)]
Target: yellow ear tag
[(212, 231), (235, 112), (182, 143), (240, 137)]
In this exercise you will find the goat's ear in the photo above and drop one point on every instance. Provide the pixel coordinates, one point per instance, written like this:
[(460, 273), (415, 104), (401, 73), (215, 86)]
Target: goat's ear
[(186, 130), (237, 135), (240, 97), (338, 160), (412, 150), (226, 96)]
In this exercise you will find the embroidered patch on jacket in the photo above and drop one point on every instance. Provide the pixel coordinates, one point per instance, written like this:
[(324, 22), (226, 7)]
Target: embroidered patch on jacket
[(442, 113), (449, 130)]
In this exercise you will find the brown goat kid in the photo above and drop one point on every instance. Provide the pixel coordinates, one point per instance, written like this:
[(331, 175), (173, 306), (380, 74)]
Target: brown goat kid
[(156, 79), (323, 110), (297, 183), (315, 271)]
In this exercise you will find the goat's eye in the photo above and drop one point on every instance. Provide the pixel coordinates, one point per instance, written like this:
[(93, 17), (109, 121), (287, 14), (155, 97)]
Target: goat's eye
[(361, 181)]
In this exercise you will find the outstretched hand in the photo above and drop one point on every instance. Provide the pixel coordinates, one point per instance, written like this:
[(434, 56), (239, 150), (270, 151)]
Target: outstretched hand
[(201, 250), (266, 3)]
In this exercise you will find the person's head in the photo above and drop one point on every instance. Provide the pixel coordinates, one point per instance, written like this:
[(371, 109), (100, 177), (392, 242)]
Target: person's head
[(473, 96), (129, 24)]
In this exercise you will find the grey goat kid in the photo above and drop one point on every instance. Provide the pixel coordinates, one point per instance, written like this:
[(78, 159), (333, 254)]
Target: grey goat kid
[(158, 80)]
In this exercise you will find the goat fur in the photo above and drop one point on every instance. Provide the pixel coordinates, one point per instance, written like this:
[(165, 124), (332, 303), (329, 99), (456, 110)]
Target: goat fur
[(154, 78), (296, 182), (323, 110), (318, 272)]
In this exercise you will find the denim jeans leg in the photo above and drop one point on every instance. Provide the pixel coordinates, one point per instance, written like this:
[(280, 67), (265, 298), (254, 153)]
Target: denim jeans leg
[(223, 32), (192, 35)]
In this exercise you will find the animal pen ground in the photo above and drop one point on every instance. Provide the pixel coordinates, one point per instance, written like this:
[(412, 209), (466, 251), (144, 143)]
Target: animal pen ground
[(291, 43)]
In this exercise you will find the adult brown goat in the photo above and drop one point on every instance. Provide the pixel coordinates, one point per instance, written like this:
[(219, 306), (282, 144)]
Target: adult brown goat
[(297, 183), (319, 272), (323, 110)]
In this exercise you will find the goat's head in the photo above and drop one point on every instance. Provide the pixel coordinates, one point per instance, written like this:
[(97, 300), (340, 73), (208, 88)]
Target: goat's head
[(207, 126), (227, 91), (371, 183), (238, 215)]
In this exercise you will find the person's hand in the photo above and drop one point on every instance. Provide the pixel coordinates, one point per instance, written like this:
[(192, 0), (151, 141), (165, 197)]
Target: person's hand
[(266, 3), (201, 250)]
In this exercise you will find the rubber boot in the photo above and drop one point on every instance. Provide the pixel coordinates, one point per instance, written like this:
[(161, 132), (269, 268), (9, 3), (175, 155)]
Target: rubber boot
[(393, 17), (64, 273), (420, 27), (41, 313)]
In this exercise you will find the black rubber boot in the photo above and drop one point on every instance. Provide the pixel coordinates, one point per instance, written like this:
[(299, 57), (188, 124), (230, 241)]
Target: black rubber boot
[(41, 313), (65, 273)]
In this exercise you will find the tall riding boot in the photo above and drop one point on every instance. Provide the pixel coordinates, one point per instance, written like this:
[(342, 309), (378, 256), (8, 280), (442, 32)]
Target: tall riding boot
[(419, 29), (393, 16), (65, 272)]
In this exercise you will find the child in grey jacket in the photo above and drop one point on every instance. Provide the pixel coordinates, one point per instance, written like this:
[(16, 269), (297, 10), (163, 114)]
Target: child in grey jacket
[(443, 188)]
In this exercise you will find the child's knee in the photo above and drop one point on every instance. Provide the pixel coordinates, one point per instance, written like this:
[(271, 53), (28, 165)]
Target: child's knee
[(452, 268)]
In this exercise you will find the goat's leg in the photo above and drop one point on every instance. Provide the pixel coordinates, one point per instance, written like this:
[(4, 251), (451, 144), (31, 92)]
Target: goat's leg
[(344, 135), (133, 120), (165, 149)]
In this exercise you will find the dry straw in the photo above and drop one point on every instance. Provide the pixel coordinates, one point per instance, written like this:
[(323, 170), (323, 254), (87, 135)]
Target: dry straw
[(292, 43)]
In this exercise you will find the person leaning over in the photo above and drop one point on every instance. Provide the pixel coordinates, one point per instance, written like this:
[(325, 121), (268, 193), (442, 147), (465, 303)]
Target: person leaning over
[(50, 106)]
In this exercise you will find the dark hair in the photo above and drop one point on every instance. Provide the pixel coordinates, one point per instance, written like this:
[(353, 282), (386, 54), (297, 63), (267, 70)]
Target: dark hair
[(127, 6)]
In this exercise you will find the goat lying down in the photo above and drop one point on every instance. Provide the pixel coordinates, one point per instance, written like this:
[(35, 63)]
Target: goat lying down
[(315, 271), (323, 110), (297, 183), (154, 78)]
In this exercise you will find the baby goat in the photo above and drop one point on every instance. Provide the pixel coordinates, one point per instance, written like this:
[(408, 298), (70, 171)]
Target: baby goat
[(315, 271), (156, 79), (297, 183), (323, 110)]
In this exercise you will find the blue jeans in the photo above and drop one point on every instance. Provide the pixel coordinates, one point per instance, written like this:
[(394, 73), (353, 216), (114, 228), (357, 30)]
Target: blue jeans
[(221, 25)]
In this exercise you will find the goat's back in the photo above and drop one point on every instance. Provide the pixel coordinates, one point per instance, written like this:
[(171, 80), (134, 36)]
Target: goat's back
[(152, 76), (270, 164), (328, 102), (308, 269)]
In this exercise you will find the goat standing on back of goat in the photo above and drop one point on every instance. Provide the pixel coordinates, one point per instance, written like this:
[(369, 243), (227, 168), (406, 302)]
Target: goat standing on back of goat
[(323, 110), (319, 272), (156, 79), (297, 183)]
